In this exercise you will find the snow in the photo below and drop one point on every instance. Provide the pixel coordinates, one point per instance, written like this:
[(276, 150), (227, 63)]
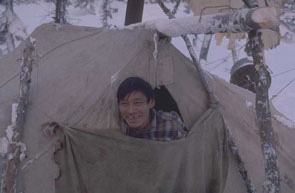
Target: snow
[(155, 53), (288, 123), (210, 23), (9, 133), (23, 150), (16, 27), (4, 144), (219, 59), (249, 104), (13, 113)]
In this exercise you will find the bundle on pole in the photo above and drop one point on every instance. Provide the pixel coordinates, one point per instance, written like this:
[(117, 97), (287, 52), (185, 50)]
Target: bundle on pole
[(243, 20), (28, 60), (272, 176)]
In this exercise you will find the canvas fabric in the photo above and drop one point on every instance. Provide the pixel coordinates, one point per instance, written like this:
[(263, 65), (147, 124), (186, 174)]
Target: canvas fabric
[(110, 162), (75, 82)]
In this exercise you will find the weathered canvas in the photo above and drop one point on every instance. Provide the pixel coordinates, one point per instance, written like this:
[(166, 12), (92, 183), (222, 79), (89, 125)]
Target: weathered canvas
[(107, 161), (75, 83)]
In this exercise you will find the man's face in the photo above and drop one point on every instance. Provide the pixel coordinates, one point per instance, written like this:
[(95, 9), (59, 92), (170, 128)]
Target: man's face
[(135, 110)]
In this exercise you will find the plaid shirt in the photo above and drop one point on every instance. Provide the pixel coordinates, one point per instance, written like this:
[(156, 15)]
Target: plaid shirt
[(164, 127)]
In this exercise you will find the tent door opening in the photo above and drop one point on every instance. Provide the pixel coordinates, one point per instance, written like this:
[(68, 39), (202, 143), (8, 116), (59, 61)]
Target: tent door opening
[(164, 101)]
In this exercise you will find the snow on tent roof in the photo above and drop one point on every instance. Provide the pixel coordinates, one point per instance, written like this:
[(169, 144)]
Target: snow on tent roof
[(75, 83)]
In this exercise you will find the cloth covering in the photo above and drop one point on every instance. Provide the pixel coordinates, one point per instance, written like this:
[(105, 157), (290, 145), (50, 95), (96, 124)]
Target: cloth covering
[(107, 161), (80, 71)]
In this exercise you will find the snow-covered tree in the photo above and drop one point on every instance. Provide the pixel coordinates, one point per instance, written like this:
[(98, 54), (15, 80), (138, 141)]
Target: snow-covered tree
[(287, 18), (106, 12), (61, 11), (89, 5), (11, 27)]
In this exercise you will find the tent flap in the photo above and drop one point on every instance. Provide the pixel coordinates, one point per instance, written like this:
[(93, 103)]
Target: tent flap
[(107, 161)]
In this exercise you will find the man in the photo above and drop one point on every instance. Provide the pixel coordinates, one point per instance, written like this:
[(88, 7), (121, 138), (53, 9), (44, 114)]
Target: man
[(139, 118)]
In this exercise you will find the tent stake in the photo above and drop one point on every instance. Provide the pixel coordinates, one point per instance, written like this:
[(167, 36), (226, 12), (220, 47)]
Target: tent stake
[(29, 58)]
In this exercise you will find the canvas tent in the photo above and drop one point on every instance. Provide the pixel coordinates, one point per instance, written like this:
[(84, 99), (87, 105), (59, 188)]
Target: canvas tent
[(75, 83)]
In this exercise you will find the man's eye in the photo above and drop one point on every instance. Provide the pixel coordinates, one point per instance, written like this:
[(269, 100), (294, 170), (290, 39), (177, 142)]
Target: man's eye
[(138, 103), (123, 104)]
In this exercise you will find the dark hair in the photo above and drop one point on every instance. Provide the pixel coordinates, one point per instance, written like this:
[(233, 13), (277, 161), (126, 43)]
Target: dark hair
[(132, 84)]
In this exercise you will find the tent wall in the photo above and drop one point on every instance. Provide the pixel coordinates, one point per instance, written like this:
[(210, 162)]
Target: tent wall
[(76, 80)]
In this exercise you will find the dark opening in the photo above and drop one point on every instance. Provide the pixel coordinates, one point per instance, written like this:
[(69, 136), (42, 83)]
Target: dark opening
[(244, 77), (164, 101)]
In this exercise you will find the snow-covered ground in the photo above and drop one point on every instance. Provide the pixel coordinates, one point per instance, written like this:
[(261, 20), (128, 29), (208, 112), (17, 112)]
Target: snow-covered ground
[(219, 62)]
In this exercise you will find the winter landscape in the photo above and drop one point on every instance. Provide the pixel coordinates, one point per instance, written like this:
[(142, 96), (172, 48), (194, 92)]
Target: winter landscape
[(19, 18)]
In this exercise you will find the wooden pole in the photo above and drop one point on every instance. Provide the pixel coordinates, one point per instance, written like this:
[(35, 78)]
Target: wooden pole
[(234, 53), (243, 20), (272, 176), (57, 18), (134, 11), (9, 12), (29, 58), (205, 47)]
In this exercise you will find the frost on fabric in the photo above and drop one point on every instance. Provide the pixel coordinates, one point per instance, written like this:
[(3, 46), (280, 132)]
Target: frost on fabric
[(9, 133), (249, 104), (6, 141), (114, 77), (4, 144), (285, 121), (23, 150), (14, 113), (156, 40)]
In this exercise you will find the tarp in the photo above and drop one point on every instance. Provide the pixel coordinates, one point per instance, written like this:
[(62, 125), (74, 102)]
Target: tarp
[(107, 161), (75, 82)]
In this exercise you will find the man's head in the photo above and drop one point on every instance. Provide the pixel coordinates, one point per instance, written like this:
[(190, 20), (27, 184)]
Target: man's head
[(135, 99)]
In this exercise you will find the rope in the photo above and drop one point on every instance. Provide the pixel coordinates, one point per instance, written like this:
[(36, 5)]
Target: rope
[(10, 79), (275, 75), (286, 86), (47, 53)]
